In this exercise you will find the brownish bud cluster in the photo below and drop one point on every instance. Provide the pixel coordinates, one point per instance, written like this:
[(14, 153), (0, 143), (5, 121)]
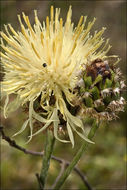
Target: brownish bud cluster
[(98, 66)]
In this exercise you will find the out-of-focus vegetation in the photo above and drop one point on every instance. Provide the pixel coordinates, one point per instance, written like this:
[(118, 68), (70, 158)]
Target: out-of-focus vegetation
[(103, 163)]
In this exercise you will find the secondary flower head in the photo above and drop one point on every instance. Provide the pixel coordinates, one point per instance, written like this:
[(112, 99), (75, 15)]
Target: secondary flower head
[(42, 65)]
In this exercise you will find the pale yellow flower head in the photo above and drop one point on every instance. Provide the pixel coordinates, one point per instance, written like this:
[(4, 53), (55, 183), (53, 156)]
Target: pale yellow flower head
[(43, 62)]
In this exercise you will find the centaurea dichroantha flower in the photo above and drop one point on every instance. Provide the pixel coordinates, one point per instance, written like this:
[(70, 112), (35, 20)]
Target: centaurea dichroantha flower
[(43, 67)]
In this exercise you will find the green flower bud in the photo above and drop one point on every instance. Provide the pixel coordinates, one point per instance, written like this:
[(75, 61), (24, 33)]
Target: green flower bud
[(101, 92)]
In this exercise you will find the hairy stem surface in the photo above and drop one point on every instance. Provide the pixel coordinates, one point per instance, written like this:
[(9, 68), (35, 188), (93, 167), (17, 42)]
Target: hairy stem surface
[(76, 157), (50, 140)]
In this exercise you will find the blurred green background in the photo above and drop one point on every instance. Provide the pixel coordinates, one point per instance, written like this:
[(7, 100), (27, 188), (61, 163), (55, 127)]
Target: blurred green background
[(104, 163)]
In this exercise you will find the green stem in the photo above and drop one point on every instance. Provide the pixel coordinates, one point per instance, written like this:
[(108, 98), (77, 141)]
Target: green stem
[(50, 140), (76, 157)]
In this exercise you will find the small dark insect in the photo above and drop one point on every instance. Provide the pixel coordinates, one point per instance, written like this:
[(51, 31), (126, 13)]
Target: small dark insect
[(44, 65)]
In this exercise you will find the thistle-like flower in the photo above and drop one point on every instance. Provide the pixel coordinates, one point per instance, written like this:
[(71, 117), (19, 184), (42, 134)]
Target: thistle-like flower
[(52, 68), (101, 89)]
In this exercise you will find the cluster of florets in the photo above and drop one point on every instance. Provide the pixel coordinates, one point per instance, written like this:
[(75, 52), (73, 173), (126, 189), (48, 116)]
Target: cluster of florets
[(100, 90)]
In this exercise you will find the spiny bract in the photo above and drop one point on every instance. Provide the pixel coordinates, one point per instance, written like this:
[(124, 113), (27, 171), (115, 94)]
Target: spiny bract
[(42, 65), (100, 90)]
